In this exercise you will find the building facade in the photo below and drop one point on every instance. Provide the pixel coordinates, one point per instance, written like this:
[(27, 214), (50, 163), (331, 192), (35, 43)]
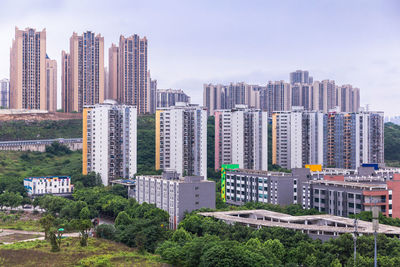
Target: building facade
[(4, 93), (153, 94), (55, 185), (342, 196), (300, 76), (109, 141), (219, 96), (353, 139), (176, 195), (280, 188), (181, 139), (169, 97), (297, 138), (83, 72), (28, 70), (335, 139), (241, 137), (113, 66), (129, 72)]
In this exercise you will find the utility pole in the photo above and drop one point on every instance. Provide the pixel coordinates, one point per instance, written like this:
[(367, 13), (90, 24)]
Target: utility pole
[(355, 241), (375, 227)]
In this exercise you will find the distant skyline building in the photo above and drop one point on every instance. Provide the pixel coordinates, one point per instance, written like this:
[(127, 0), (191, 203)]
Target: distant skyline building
[(113, 66), (169, 97), (300, 76), (181, 139), (51, 84), (153, 93), (228, 96), (128, 71), (109, 141), (241, 137), (4, 93), (66, 93), (276, 96), (28, 70), (83, 71)]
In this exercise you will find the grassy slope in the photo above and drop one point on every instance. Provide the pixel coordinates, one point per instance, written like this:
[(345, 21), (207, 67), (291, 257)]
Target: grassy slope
[(28, 130), (99, 252), (25, 164)]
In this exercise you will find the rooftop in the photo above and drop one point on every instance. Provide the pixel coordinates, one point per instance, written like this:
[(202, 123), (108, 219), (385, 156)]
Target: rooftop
[(321, 224), (359, 185)]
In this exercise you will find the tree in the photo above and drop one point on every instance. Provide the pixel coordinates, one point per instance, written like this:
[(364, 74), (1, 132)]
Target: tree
[(11, 199), (83, 226), (47, 222)]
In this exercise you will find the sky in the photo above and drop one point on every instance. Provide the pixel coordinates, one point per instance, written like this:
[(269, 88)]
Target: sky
[(190, 43)]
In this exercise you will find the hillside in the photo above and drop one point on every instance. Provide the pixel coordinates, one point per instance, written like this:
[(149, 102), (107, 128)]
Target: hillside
[(99, 252)]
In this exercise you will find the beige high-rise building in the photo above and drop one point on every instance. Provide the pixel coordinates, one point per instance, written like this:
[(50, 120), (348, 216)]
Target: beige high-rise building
[(66, 103), (28, 70), (83, 82), (131, 68), (51, 84), (113, 72)]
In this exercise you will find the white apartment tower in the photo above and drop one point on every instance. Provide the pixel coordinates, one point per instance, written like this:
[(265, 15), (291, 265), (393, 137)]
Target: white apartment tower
[(297, 138), (109, 140), (181, 139), (241, 137)]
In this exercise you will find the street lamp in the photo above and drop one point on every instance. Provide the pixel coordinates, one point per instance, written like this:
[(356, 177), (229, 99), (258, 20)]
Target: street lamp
[(355, 240), (375, 227)]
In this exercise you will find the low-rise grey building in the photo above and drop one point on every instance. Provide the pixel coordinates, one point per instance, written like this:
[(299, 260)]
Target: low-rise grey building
[(175, 194), (267, 187)]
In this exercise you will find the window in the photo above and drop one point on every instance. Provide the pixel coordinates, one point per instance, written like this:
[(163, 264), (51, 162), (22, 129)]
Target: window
[(351, 205), (390, 197), (350, 195)]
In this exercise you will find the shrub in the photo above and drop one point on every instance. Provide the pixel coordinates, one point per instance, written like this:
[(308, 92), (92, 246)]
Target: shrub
[(106, 231)]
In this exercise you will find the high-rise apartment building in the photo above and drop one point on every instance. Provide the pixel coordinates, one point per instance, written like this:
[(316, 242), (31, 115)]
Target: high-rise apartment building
[(300, 76), (168, 97), (181, 139), (109, 140), (128, 72), (297, 138), (353, 139), (348, 98), (28, 70), (66, 93), (113, 66), (276, 97), (83, 72), (51, 84), (4, 93), (228, 96), (153, 94), (241, 137)]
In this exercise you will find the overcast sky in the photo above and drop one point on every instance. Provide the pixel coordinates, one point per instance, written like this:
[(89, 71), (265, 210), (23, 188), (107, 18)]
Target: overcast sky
[(217, 41)]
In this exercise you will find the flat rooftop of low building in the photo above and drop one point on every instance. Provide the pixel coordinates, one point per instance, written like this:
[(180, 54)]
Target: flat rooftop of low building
[(185, 179), (124, 181), (311, 223), (359, 185)]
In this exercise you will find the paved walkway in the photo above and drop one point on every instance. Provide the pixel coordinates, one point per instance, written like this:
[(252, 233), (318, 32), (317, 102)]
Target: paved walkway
[(5, 232)]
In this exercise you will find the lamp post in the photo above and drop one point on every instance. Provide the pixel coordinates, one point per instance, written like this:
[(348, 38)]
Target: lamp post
[(375, 227), (355, 241)]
